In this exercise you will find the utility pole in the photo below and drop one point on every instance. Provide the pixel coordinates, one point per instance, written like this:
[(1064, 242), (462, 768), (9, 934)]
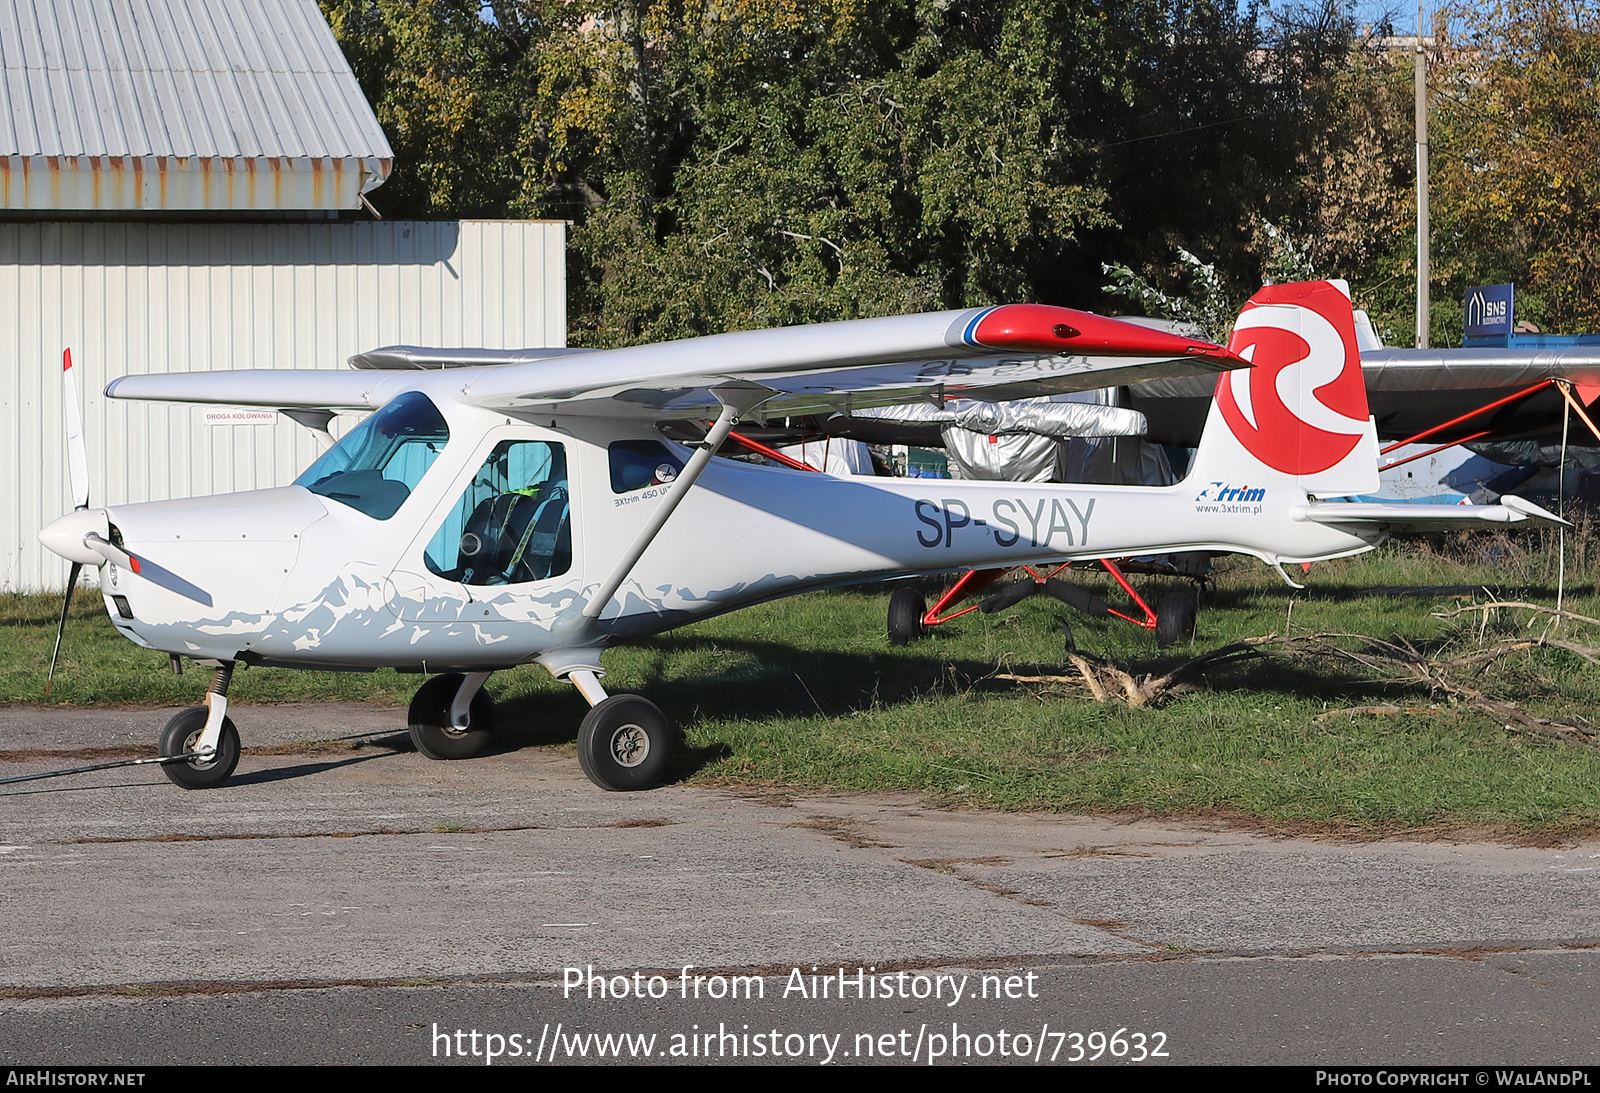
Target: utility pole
[(1422, 187)]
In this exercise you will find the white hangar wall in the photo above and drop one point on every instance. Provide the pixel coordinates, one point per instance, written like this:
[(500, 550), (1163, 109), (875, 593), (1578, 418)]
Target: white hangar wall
[(133, 298)]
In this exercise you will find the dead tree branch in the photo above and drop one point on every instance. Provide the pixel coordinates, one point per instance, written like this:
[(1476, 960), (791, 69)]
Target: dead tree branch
[(1390, 661), (1496, 605)]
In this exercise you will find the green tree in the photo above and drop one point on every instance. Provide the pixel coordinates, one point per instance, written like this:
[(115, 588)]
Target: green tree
[(446, 84), (1515, 133), (1359, 181), (1232, 130), (748, 163), (800, 162)]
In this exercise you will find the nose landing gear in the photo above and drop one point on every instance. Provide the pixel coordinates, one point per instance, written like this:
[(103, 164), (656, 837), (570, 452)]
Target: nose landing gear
[(207, 733), (182, 736)]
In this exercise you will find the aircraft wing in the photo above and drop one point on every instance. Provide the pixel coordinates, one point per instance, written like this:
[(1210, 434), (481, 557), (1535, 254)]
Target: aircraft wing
[(1459, 369), (277, 388), (1410, 390), (1007, 352)]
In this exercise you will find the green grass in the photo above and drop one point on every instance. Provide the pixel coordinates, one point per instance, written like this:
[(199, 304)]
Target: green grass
[(804, 693)]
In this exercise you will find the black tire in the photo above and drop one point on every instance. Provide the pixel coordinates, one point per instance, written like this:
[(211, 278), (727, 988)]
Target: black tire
[(625, 743), (180, 736), (906, 608), (430, 726), (1175, 617)]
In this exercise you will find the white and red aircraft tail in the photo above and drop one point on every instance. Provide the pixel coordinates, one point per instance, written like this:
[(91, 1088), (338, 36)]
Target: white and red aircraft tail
[(1298, 417), (1294, 428)]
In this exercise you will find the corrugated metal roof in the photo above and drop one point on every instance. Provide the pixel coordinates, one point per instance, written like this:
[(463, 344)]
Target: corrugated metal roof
[(179, 87)]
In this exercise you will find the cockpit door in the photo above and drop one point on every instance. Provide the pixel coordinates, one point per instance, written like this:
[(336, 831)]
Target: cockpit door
[(501, 550)]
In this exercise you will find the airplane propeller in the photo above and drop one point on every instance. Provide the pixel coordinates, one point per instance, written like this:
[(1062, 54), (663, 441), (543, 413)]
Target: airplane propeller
[(78, 473)]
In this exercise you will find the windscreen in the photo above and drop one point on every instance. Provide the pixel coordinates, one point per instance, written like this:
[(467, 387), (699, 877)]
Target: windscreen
[(379, 462)]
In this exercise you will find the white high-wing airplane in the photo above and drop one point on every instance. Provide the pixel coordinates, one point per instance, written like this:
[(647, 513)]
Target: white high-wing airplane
[(506, 508)]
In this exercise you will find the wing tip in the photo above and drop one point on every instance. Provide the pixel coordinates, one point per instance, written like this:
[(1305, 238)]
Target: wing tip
[(1045, 328)]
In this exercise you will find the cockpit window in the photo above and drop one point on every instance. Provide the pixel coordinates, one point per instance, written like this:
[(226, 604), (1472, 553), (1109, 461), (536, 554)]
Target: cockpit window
[(512, 524), (637, 464), (379, 462)]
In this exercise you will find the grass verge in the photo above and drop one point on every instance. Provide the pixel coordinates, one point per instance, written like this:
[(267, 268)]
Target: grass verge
[(804, 693)]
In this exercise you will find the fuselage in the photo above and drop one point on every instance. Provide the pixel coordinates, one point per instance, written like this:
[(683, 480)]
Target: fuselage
[(449, 537)]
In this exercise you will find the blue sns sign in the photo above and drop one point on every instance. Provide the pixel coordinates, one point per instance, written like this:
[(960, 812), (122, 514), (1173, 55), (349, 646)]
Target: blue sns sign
[(1489, 311)]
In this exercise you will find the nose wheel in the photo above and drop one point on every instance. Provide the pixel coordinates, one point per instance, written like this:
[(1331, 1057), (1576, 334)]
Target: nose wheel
[(181, 736)]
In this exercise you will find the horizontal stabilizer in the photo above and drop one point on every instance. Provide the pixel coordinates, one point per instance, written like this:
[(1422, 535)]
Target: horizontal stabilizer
[(1396, 517)]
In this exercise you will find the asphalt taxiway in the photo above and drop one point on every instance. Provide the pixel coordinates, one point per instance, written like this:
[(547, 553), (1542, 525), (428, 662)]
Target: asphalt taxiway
[(354, 902)]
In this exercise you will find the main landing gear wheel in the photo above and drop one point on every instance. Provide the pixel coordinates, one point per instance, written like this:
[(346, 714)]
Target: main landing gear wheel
[(430, 726), (182, 734), (906, 609), (625, 743), (1175, 616)]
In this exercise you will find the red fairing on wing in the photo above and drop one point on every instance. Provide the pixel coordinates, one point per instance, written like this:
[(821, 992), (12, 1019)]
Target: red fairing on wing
[(1041, 328)]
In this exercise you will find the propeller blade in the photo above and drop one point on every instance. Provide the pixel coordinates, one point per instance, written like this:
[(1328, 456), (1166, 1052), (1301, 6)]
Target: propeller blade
[(150, 571), (77, 455), (61, 627)]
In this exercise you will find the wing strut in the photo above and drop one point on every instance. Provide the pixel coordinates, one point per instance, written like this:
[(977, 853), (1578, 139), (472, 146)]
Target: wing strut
[(314, 420), (736, 399)]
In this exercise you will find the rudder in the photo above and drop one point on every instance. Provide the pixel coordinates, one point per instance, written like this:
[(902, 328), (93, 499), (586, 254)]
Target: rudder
[(1300, 413)]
